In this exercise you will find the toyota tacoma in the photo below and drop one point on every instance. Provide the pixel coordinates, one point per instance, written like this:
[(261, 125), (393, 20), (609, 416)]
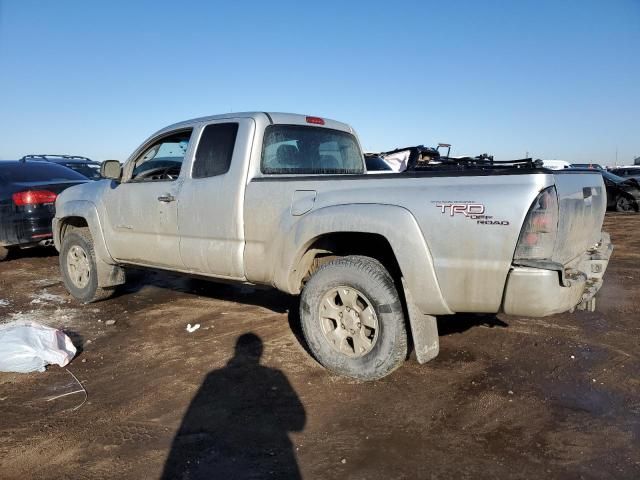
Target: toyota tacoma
[(284, 200)]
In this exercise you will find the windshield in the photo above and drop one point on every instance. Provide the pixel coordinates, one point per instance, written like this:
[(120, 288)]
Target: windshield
[(626, 172), (375, 163), (89, 170), (613, 178)]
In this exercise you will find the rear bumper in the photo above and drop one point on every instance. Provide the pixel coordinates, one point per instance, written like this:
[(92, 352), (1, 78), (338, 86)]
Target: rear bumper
[(537, 292), (26, 228)]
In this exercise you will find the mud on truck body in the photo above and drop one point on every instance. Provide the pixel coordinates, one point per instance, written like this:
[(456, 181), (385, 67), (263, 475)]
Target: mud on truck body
[(283, 200)]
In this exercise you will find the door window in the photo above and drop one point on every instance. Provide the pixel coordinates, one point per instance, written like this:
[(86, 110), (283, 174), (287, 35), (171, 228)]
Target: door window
[(215, 150), (162, 160)]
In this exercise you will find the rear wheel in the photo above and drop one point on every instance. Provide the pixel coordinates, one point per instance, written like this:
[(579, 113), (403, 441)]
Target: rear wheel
[(78, 267), (625, 204), (4, 252), (353, 320)]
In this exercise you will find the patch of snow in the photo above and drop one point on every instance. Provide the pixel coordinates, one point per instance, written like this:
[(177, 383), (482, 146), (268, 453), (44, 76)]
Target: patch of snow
[(45, 297), (4, 303), (45, 282), (57, 318)]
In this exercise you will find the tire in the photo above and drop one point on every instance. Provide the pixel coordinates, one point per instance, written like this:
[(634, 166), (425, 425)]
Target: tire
[(4, 252), (351, 341), (81, 278), (625, 204)]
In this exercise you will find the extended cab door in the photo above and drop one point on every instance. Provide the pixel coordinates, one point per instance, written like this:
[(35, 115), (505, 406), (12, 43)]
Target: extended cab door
[(210, 207), (142, 210)]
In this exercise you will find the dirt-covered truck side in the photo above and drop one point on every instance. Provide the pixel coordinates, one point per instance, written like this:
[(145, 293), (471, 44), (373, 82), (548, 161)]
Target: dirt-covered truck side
[(284, 200)]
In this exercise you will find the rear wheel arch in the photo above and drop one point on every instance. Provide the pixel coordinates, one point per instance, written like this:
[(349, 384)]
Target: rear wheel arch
[(329, 246)]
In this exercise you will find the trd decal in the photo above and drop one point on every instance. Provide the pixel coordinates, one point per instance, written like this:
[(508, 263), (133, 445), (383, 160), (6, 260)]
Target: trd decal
[(471, 210), (467, 209)]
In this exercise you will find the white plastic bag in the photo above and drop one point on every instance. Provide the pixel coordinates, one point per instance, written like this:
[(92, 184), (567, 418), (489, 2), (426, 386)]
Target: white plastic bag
[(398, 161), (29, 347)]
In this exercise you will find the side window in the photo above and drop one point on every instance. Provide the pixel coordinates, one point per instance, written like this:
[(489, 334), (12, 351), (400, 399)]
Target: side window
[(297, 149), (215, 150), (162, 160)]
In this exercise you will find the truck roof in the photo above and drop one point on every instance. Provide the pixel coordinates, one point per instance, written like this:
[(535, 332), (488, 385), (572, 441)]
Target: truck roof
[(272, 117)]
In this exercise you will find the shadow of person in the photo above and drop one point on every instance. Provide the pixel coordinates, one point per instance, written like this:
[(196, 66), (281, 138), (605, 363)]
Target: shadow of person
[(237, 424)]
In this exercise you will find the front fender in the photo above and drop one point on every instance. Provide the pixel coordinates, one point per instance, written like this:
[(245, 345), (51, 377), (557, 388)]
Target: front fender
[(87, 210), (394, 223)]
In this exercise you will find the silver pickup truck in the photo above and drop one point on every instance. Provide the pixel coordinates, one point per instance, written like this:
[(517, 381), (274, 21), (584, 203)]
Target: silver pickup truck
[(284, 200)]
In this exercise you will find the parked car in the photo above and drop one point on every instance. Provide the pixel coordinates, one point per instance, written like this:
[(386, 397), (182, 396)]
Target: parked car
[(623, 194), (82, 165), (284, 200), (28, 191), (627, 172)]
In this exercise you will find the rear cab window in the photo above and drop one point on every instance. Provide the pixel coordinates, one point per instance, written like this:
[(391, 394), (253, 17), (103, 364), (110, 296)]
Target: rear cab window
[(305, 150)]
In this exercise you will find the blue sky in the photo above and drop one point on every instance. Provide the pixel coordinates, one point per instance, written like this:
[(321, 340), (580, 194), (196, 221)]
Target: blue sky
[(559, 79)]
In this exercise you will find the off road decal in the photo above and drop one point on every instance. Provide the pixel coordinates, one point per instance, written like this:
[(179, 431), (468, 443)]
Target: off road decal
[(471, 210)]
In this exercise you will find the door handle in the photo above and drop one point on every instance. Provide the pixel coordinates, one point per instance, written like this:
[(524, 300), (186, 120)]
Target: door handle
[(166, 198)]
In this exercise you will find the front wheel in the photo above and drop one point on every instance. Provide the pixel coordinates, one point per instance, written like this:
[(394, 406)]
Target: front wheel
[(352, 318), (78, 267)]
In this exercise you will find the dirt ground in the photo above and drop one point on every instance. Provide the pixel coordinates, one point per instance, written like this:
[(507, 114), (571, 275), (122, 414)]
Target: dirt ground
[(508, 397)]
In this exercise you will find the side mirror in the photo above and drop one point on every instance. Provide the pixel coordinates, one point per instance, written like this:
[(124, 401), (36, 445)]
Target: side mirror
[(111, 169)]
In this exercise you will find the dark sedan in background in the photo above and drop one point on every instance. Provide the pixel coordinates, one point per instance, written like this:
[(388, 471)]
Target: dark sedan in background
[(623, 194), (28, 191)]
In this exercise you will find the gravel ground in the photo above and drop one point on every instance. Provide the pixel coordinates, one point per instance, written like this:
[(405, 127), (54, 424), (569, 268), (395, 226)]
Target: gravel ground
[(508, 397)]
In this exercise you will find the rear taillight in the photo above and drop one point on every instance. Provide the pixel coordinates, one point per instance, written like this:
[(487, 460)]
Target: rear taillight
[(538, 235), (34, 197)]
